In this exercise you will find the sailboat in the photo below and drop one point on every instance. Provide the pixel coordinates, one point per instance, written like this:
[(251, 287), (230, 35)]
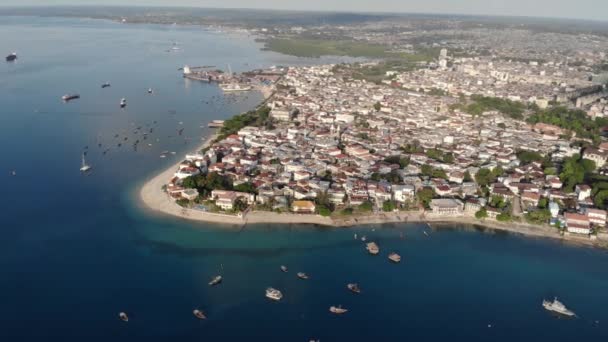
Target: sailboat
[(85, 167)]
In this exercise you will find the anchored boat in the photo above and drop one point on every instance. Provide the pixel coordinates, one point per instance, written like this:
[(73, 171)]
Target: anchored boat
[(216, 280), (338, 310), (354, 288), (557, 307), (274, 294), (199, 314)]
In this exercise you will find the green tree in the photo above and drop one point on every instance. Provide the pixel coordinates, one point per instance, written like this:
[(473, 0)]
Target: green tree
[(504, 217), (543, 203), (424, 196), (366, 206), (527, 157), (484, 177), (448, 158), (481, 214), (246, 187), (377, 106), (388, 206), (574, 171), (239, 204), (324, 211), (538, 216)]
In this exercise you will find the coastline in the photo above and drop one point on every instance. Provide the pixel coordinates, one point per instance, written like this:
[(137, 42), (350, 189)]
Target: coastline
[(154, 198)]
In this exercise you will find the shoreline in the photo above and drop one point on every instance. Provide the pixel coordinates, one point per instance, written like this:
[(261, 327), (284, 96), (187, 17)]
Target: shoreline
[(154, 198)]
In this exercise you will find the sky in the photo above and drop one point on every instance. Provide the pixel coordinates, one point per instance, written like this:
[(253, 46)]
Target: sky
[(579, 9)]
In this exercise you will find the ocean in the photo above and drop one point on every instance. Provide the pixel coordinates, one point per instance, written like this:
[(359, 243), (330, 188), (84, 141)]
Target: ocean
[(78, 249)]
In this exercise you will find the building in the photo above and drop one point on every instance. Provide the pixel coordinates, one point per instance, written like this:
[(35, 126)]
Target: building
[(599, 157), (190, 194), (583, 192), (577, 223), (403, 193), (597, 217), (447, 206), (225, 199), (303, 207)]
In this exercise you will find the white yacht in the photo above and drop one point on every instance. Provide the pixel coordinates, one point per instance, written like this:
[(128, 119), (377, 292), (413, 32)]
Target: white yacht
[(274, 294), (84, 167), (557, 307), (338, 310)]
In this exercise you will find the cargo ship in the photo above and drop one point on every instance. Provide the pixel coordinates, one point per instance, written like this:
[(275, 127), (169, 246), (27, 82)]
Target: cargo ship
[(70, 97)]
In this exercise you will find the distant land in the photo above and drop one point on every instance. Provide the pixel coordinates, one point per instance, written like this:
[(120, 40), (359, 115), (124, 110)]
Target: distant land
[(256, 18)]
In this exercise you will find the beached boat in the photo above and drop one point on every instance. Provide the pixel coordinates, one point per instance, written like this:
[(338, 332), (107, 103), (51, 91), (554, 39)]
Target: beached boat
[(394, 257), (372, 248), (274, 294), (283, 268), (216, 280), (354, 288), (123, 317), (338, 310), (199, 314)]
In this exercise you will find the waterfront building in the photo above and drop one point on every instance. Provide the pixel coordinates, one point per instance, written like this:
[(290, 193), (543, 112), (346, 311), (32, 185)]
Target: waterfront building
[(447, 206), (303, 207)]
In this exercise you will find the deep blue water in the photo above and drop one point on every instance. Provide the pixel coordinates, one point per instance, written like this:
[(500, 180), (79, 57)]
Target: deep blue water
[(75, 250)]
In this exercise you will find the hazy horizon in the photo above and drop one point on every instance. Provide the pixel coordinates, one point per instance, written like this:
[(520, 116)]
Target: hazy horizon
[(583, 9)]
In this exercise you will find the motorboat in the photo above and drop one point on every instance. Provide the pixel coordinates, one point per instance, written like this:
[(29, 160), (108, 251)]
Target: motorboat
[(557, 307), (284, 268), (123, 103), (123, 317), (338, 310), (302, 275), (274, 294), (216, 280), (354, 287), (372, 248), (199, 314), (394, 257)]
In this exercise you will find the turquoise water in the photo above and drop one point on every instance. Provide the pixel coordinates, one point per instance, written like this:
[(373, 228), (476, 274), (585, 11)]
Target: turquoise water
[(76, 250)]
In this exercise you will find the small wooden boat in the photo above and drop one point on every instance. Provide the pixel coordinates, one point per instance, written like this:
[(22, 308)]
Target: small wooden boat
[(216, 280), (284, 268), (372, 248), (302, 275), (123, 317), (354, 288), (338, 310), (199, 314), (394, 257)]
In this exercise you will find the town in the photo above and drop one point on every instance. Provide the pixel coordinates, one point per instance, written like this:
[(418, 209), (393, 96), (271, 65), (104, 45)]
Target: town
[(490, 139)]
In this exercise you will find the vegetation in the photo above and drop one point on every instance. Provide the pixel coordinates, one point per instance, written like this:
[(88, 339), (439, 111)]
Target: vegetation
[(504, 217), (485, 177), (527, 157), (305, 47), (574, 120), (482, 104), (259, 118), (388, 206), (182, 202), (425, 196), (575, 170), (392, 177), (481, 214), (207, 183), (246, 187), (402, 161), (428, 170), (538, 216), (366, 207)]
